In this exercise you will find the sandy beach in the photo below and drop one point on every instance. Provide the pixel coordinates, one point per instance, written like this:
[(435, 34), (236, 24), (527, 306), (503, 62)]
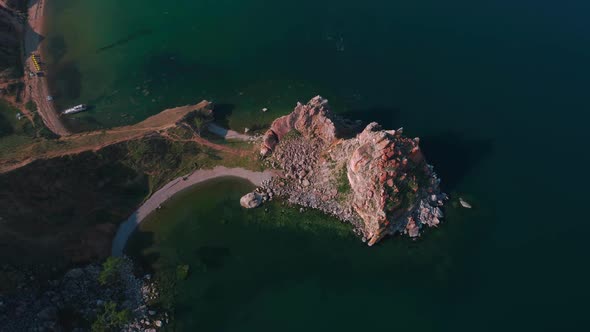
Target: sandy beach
[(36, 87), (159, 197), (227, 133)]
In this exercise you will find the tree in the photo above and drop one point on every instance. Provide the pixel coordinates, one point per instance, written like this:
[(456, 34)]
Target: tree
[(200, 120)]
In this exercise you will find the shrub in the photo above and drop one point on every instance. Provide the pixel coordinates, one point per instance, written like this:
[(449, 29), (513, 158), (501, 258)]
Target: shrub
[(31, 106), (292, 134), (110, 319), (110, 271), (343, 183)]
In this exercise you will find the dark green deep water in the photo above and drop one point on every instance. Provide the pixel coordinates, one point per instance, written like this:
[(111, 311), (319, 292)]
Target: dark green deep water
[(497, 90)]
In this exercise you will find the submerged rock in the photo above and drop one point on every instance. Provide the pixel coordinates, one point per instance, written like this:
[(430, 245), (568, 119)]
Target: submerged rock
[(464, 203)]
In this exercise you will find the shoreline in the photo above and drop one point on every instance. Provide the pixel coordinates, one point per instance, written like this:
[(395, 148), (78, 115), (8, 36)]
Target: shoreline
[(174, 187), (37, 88)]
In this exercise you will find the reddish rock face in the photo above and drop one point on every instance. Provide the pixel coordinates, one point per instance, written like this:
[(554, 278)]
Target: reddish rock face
[(312, 120), (389, 166), (392, 189)]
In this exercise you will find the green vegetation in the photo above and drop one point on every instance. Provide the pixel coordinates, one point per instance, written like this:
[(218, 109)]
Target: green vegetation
[(31, 106), (182, 272), (198, 120), (412, 184), (164, 160), (5, 125), (110, 271), (10, 125), (110, 319), (292, 134), (182, 132), (343, 183), (16, 134)]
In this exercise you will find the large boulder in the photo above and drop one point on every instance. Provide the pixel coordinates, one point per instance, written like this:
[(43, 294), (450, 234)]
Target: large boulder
[(251, 200)]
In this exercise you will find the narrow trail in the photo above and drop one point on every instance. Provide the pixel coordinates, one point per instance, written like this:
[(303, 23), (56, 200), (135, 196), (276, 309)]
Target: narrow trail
[(204, 142)]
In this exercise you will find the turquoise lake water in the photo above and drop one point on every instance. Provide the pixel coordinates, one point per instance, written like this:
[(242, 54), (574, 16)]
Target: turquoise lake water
[(497, 90)]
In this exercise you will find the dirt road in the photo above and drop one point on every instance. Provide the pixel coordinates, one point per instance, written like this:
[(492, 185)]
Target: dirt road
[(36, 87)]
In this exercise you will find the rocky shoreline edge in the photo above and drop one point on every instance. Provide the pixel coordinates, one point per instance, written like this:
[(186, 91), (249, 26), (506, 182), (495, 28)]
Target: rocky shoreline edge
[(377, 180)]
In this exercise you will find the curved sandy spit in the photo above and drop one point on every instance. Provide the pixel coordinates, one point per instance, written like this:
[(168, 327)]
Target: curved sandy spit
[(173, 187)]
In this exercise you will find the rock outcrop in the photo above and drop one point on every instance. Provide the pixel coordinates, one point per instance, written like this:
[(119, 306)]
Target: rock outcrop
[(311, 120), (389, 177), (379, 180)]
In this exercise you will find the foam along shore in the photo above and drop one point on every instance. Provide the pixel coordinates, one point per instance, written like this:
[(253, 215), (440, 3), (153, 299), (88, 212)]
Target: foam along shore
[(173, 187)]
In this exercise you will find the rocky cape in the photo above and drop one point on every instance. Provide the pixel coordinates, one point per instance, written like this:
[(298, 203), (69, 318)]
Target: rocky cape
[(378, 180)]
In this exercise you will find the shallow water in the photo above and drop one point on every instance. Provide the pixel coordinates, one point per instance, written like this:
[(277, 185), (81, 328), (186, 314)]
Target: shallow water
[(497, 90), (257, 270)]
